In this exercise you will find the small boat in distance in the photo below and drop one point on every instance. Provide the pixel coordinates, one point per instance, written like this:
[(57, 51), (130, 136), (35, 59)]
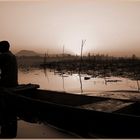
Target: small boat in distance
[(87, 78), (86, 116)]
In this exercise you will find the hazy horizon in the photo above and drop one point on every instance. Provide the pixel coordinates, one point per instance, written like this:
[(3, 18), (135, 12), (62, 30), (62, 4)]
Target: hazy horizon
[(108, 26)]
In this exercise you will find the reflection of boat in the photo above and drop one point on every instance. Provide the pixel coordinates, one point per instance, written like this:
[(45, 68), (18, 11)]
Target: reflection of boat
[(85, 115)]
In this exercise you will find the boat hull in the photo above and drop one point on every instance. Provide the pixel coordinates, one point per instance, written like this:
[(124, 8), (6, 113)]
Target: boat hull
[(64, 110)]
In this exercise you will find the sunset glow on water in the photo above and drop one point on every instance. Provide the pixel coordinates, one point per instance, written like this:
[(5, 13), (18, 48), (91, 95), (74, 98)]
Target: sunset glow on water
[(71, 83)]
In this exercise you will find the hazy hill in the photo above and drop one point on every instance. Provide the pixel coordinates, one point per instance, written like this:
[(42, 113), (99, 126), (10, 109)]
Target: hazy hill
[(27, 53)]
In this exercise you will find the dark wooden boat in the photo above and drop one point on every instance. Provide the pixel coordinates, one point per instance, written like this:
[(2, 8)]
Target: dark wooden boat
[(87, 116)]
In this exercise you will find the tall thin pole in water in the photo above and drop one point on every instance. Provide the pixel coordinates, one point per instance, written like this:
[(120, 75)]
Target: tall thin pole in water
[(63, 50), (82, 45), (61, 70), (81, 60), (45, 62), (45, 59)]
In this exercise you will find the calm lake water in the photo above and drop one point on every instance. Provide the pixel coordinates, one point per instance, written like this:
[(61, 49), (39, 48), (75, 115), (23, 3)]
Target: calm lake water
[(35, 130), (75, 83)]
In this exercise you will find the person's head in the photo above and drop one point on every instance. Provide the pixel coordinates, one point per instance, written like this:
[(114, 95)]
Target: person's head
[(4, 46)]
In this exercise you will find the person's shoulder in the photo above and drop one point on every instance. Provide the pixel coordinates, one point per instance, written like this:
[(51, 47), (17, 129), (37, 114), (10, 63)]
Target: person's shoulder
[(9, 53), (6, 54)]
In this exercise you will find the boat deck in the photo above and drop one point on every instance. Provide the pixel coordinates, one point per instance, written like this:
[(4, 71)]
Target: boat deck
[(106, 106)]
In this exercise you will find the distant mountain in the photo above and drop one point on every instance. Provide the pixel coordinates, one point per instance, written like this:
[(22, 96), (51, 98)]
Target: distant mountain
[(27, 53)]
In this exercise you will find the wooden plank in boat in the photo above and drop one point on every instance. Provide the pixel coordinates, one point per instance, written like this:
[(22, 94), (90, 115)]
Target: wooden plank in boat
[(106, 106)]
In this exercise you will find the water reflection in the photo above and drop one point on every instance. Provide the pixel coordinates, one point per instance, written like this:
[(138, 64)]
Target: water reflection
[(63, 79), (81, 85), (39, 130), (46, 74), (75, 83)]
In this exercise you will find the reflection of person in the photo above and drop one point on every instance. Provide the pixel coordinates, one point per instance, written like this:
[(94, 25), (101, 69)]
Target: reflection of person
[(8, 66), (8, 78)]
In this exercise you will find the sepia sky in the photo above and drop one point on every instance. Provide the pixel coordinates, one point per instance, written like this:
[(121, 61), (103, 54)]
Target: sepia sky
[(108, 26)]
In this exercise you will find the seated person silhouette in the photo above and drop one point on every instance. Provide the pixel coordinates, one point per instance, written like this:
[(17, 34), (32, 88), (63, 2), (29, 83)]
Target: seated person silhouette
[(8, 66), (8, 78)]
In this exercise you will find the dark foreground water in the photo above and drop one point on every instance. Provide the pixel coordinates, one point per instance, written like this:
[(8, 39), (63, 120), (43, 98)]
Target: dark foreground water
[(36, 130)]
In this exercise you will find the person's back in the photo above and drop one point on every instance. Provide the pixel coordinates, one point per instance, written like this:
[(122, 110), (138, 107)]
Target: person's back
[(8, 78), (8, 66)]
